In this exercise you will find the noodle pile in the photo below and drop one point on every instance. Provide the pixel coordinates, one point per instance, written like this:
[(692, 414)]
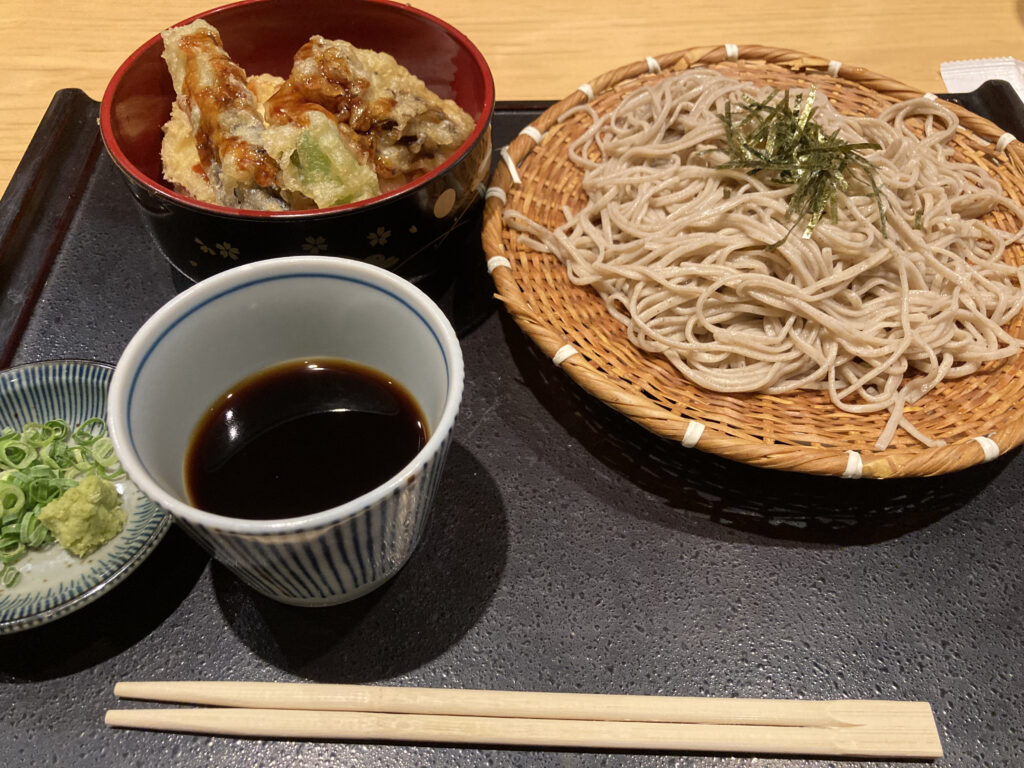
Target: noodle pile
[(688, 256)]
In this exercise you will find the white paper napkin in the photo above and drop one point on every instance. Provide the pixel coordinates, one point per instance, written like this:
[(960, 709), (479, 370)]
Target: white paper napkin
[(966, 75)]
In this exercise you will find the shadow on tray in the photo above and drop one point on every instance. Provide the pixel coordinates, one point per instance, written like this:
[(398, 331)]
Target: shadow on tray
[(113, 623), (423, 611), (784, 506)]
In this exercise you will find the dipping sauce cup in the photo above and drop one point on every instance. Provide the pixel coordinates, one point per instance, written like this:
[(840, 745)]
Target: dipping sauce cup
[(243, 321)]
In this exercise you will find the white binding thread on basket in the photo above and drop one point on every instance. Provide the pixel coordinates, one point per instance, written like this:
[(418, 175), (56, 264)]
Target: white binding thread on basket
[(1004, 141), (533, 133), (563, 354), (732, 51), (988, 446), (834, 67), (653, 66), (497, 192), (693, 434), (854, 465), (511, 166), (931, 97), (497, 261), (586, 90)]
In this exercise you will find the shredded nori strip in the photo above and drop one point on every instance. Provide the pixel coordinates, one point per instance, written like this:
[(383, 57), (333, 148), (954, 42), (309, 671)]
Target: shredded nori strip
[(782, 141)]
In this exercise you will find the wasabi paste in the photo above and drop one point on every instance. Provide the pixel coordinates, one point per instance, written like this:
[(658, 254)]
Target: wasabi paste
[(86, 516)]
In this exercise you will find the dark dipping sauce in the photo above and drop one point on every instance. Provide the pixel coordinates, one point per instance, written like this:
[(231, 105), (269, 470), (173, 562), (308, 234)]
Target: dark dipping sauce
[(301, 437)]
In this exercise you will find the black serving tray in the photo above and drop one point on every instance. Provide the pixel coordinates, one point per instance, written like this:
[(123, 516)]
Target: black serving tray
[(568, 549)]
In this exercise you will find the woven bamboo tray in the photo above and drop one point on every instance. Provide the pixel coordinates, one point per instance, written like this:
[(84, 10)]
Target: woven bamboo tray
[(979, 417)]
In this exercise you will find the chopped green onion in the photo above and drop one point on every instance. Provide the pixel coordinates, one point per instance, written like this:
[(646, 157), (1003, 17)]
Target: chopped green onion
[(17, 454), (32, 532), (59, 429), (12, 499), (9, 576), (88, 431), (12, 549), (37, 434)]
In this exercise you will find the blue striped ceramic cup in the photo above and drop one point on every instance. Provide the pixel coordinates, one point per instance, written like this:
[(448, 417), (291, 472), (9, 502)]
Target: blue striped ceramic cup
[(243, 321)]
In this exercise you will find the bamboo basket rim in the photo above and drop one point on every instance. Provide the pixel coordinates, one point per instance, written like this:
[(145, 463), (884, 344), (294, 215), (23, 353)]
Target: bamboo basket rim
[(981, 420)]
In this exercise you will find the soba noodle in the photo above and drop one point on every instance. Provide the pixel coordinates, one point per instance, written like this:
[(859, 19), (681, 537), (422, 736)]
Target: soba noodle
[(681, 253)]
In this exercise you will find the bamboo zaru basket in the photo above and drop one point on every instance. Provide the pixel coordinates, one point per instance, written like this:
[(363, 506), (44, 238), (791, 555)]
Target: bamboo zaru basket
[(979, 417)]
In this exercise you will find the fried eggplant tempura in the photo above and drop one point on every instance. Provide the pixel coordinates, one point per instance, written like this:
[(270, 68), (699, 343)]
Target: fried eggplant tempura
[(384, 112), (223, 118)]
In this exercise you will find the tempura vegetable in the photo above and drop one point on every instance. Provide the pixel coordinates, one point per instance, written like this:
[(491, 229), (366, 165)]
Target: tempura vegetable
[(406, 128), (347, 124), (316, 163), (222, 114)]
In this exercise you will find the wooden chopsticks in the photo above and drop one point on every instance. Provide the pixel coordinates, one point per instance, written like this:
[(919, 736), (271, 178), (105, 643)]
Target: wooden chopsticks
[(848, 728)]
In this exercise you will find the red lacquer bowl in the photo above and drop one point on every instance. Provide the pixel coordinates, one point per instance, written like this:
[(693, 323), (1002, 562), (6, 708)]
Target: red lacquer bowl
[(405, 230)]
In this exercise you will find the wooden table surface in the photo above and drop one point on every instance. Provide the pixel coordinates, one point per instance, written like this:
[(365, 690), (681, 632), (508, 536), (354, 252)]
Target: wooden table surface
[(537, 49)]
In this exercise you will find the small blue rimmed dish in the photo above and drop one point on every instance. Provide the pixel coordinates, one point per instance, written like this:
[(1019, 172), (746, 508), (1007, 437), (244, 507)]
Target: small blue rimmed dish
[(54, 582)]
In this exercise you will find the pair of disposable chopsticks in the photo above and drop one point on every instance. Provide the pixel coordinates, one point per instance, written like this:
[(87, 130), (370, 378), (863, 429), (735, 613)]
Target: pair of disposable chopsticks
[(849, 728)]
